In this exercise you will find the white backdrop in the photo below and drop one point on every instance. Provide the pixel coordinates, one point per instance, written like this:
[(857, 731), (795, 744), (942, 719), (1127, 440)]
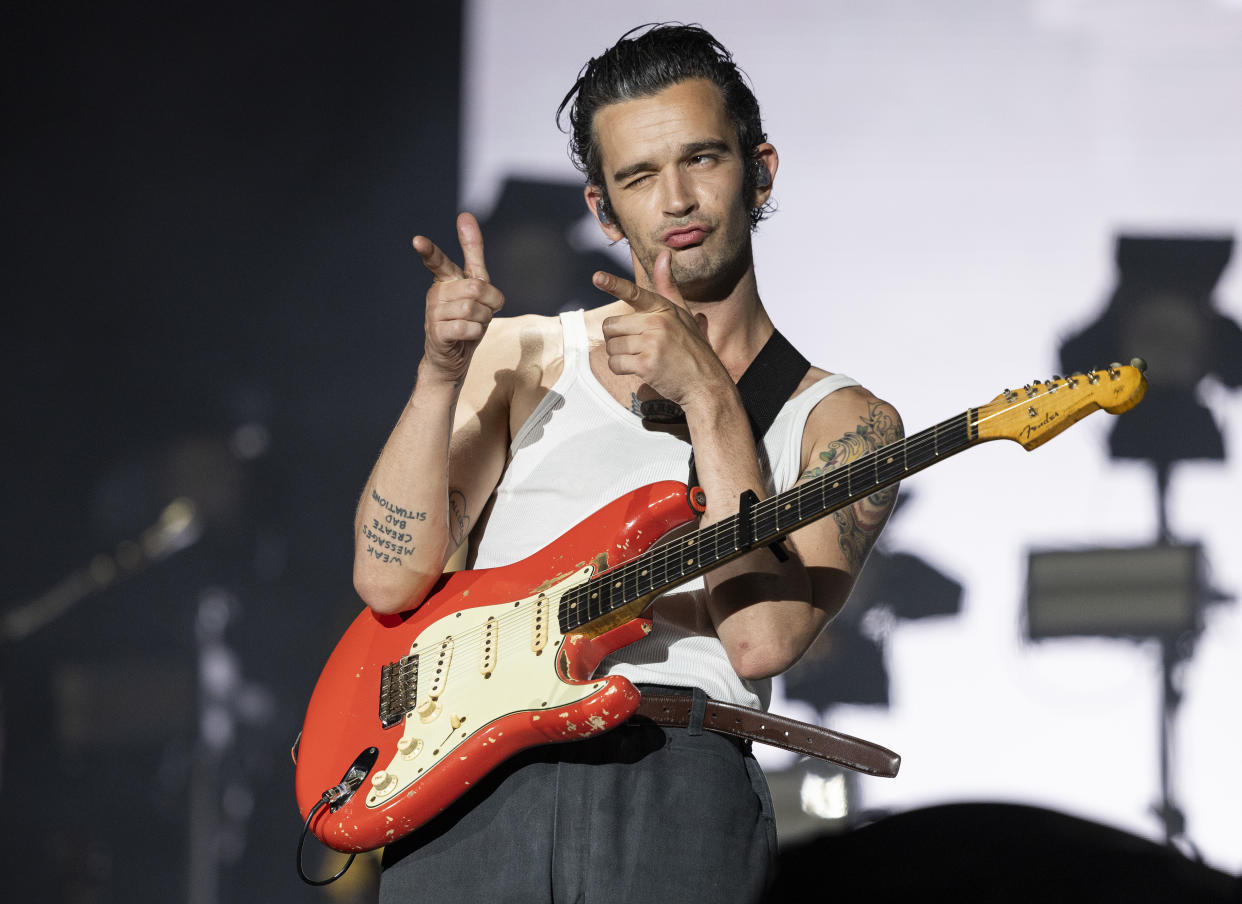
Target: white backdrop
[(952, 176)]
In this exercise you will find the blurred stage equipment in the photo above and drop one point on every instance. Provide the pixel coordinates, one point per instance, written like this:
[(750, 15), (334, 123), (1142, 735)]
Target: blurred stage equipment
[(179, 526), (845, 664), (221, 796), (1162, 303), (1152, 591), (535, 251)]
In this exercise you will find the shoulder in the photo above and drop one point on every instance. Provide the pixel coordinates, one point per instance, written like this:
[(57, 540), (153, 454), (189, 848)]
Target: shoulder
[(511, 339), (849, 421), (516, 362), (517, 348)]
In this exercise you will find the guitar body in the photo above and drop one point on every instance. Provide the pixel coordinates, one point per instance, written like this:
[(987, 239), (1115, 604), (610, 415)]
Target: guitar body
[(478, 672)]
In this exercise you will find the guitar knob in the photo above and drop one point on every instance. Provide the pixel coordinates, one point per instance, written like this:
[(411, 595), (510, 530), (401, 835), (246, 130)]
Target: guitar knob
[(409, 747), (428, 710), (383, 780)]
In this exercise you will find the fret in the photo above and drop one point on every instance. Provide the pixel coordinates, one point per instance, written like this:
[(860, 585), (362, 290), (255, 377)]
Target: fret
[(708, 546), (660, 576), (645, 579), (836, 489), (689, 557), (890, 463), (599, 600), (564, 610), (786, 511)]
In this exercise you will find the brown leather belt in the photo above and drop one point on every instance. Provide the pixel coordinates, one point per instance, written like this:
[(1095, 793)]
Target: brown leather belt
[(755, 725)]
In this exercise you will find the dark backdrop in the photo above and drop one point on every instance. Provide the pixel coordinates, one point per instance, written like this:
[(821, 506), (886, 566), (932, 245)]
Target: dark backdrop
[(209, 293)]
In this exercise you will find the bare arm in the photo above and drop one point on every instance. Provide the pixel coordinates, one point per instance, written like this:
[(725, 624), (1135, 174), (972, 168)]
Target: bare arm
[(415, 508), (768, 612)]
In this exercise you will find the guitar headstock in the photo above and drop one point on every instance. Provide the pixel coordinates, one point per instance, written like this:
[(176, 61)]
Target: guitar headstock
[(1040, 410)]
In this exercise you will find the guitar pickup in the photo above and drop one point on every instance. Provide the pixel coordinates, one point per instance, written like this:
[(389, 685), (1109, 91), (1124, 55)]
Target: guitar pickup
[(487, 662), (539, 627)]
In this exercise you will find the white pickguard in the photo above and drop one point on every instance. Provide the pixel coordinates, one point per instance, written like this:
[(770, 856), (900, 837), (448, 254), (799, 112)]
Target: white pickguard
[(476, 666)]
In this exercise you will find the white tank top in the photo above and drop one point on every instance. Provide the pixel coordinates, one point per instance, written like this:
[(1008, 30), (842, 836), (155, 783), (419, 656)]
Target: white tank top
[(579, 450)]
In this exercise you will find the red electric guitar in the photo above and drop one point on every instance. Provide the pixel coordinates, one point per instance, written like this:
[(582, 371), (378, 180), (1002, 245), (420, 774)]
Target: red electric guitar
[(413, 709)]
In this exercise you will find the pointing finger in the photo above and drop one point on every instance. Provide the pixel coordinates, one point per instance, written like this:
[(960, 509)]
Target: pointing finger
[(635, 296), (471, 238), (441, 267)]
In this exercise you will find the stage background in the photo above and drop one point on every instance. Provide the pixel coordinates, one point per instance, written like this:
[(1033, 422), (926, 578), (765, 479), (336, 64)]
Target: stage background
[(211, 295), (952, 178)]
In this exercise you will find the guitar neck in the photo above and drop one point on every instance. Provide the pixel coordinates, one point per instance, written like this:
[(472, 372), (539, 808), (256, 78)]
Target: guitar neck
[(668, 565)]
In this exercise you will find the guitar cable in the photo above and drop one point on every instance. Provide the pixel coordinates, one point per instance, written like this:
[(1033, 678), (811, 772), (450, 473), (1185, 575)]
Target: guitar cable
[(331, 796)]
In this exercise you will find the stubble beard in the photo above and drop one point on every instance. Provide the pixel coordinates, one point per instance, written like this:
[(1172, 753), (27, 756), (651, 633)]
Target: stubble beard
[(708, 271)]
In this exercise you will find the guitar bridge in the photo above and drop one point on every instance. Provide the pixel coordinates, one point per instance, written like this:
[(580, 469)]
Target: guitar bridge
[(398, 690)]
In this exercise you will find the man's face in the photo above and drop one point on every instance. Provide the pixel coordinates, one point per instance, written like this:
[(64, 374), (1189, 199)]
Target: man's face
[(674, 175)]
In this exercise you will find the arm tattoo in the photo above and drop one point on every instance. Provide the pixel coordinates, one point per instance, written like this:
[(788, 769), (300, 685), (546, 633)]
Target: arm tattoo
[(861, 522), (459, 518), (389, 539)]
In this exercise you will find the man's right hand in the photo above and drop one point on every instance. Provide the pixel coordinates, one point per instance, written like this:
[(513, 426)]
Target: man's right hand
[(460, 303)]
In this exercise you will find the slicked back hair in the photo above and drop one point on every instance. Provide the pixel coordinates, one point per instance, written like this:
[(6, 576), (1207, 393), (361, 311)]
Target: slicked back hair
[(644, 62)]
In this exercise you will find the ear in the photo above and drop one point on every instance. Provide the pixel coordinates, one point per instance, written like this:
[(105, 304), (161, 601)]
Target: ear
[(594, 196), (765, 155)]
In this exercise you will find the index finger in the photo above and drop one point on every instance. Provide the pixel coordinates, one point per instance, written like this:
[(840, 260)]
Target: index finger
[(631, 293), (471, 238), (441, 267)]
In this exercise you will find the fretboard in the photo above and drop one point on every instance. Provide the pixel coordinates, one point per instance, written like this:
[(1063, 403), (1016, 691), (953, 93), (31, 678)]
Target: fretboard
[(667, 565)]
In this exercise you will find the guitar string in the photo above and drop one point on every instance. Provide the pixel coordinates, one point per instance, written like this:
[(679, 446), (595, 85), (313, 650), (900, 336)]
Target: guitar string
[(769, 509), (663, 555), (968, 422)]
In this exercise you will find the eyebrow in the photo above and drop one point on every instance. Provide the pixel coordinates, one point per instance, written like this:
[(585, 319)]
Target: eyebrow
[(687, 150)]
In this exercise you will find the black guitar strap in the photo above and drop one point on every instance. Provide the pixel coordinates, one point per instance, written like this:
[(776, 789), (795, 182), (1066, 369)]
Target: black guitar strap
[(766, 386)]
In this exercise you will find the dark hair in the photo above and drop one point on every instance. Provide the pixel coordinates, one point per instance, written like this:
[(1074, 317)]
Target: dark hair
[(645, 62)]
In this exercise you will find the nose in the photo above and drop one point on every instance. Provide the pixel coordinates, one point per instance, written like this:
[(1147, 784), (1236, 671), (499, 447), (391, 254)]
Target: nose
[(679, 200)]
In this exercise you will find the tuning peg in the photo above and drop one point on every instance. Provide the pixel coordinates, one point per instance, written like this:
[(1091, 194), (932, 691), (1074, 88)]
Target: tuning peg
[(1139, 364)]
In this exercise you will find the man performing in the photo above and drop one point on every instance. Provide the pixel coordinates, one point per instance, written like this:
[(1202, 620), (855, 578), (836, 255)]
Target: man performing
[(510, 418)]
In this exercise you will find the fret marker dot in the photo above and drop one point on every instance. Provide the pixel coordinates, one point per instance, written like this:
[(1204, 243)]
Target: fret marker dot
[(689, 561)]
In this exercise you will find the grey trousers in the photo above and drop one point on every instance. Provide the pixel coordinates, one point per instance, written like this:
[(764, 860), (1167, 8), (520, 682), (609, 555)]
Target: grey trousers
[(640, 814)]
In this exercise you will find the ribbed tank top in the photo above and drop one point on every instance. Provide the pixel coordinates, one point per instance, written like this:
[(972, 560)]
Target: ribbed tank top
[(580, 449)]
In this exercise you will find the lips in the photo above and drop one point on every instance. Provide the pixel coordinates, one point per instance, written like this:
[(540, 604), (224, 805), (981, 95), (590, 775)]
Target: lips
[(685, 237)]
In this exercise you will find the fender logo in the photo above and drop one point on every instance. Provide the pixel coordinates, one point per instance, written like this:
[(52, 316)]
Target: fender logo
[(1031, 429)]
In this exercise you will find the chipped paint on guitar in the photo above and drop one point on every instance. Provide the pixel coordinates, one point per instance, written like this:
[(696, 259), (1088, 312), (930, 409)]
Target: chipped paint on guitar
[(477, 673)]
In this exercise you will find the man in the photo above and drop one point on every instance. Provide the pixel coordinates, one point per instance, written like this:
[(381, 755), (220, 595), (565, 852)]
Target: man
[(509, 420)]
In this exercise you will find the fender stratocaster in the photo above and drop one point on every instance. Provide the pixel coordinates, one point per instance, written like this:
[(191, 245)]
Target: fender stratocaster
[(411, 710)]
